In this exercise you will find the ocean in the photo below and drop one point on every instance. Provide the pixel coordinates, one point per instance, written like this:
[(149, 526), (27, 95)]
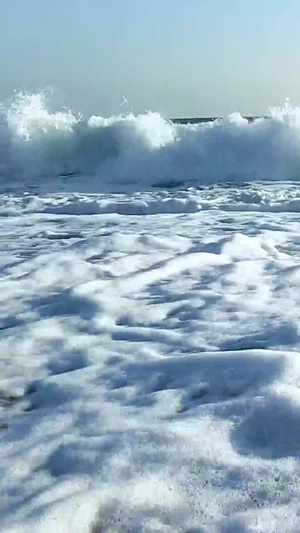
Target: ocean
[(149, 321)]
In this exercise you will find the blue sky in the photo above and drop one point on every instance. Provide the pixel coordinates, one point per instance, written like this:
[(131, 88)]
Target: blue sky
[(178, 57)]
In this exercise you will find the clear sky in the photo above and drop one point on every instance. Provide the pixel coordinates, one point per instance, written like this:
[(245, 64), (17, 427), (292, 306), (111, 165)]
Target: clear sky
[(178, 57)]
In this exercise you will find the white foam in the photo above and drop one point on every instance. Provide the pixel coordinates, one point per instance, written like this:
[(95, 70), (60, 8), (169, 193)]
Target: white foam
[(149, 340)]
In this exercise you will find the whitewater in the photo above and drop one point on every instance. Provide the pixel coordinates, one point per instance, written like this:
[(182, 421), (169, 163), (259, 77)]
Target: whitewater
[(149, 322)]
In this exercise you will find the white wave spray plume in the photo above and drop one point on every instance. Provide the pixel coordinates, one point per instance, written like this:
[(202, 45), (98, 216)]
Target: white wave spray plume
[(142, 150)]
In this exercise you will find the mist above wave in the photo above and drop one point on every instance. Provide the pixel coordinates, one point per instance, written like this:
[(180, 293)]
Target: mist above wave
[(145, 150)]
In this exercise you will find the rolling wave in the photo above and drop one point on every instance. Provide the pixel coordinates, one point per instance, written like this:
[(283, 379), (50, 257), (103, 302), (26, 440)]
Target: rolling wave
[(136, 152)]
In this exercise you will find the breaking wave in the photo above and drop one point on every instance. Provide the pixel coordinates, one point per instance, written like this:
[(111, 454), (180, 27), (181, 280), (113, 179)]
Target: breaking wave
[(146, 150)]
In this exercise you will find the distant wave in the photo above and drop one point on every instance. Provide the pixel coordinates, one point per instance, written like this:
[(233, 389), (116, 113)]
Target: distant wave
[(146, 150)]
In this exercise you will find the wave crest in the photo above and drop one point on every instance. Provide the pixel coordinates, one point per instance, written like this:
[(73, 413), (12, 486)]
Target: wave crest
[(146, 150)]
